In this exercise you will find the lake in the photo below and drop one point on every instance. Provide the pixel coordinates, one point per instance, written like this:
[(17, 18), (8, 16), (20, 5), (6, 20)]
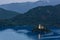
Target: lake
[(25, 33)]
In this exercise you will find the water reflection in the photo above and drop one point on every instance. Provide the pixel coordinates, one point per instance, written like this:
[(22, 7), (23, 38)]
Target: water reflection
[(25, 33), (10, 34)]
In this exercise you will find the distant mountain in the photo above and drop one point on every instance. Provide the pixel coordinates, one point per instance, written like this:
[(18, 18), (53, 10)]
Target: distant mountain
[(24, 7), (46, 15), (6, 14), (49, 15)]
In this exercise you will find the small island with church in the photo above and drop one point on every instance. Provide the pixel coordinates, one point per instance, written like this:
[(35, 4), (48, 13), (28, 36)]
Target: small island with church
[(41, 29)]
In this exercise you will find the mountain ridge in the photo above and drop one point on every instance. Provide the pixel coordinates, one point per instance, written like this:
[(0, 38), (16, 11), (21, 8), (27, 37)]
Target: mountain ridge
[(6, 14), (46, 15), (24, 7), (49, 15)]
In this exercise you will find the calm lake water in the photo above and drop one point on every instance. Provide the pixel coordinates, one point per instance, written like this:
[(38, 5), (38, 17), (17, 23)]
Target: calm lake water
[(25, 33)]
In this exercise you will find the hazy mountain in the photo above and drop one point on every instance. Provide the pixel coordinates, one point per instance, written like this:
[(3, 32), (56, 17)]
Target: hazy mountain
[(5, 14), (24, 7), (47, 15), (40, 15)]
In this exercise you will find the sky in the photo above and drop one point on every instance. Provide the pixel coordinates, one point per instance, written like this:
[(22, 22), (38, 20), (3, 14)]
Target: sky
[(21, 1), (15, 1), (18, 1)]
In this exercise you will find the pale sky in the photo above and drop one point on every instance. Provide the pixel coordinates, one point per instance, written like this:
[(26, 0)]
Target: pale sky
[(15, 1), (18, 1)]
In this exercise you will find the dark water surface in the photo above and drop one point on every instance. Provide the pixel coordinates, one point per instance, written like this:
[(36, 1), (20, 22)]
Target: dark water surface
[(25, 33)]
